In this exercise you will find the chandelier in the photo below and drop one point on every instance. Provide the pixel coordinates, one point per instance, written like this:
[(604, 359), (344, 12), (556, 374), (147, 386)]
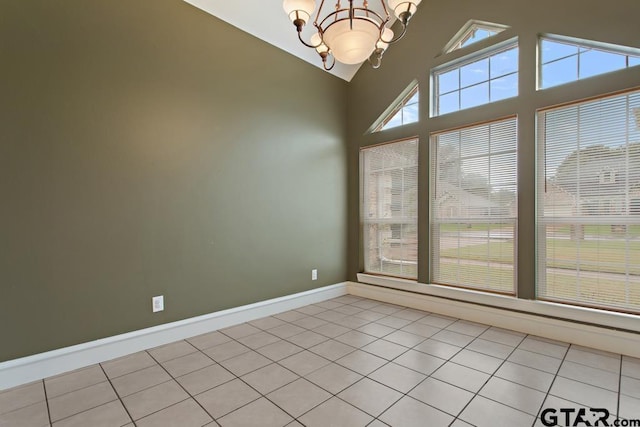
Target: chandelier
[(352, 34)]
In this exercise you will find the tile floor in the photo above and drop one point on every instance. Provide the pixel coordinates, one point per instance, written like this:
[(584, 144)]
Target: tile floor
[(343, 362)]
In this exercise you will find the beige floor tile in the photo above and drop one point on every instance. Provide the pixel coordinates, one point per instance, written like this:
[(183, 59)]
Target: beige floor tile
[(35, 415), (208, 340), (629, 407), (483, 412), (351, 322), (307, 339), (287, 330), (311, 310), (370, 396), (589, 375), (441, 395), (404, 338), (526, 376), (20, 397), (298, 397), (259, 340), (535, 360), (304, 363), (369, 315), (418, 361), (461, 376), (411, 314), (630, 387), (81, 400), (409, 412), (239, 331), (376, 330), (331, 330), (260, 413), (310, 322), (205, 379), (110, 414), (437, 348), (140, 380), (291, 316), (186, 364), (329, 305), (538, 345), (387, 309), (425, 331), (226, 398), (468, 328), (478, 361), (514, 395), (584, 394), (127, 364), (335, 413), (361, 362), (503, 336), (594, 358), (269, 378), (452, 337), (333, 377), (332, 349), (172, 351), (348, 310), (397, 377), (73, 381), (393, 322), (437, 320), (226, 351), (184, 414), (154, 399), (385, 349), (355, 339), (331, 316), (267, 323), (631, 367), (490, 348), (279, 350), (245, 363)]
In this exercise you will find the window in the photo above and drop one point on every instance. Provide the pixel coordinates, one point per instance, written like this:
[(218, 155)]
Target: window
[(389, 208), (564, 60), (473, 32), (589, 193), (474, 206), (476, 80), (404, 112)]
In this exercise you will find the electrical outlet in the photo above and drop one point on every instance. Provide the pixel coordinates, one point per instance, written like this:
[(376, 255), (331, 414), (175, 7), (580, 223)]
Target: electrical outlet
[(157, 303), (314, 274)]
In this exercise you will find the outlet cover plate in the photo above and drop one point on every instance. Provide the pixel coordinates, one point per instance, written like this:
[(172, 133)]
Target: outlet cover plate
[(157, 303)]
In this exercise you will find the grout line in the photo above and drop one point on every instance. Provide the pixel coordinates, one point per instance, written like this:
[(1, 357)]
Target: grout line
[(46, 399), (551, 385), (116, 392)]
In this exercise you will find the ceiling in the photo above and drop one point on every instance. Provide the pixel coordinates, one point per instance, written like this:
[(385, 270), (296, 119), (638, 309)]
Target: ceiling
[(267, 20)]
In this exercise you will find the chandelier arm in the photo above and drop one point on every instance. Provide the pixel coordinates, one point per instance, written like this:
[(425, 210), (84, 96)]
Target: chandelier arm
[(395, 39), (307, 44), (324, 63)]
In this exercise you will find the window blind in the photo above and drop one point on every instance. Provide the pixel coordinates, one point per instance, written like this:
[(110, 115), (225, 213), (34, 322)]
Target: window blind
[(589, 203), (389, 208), (474, 206)]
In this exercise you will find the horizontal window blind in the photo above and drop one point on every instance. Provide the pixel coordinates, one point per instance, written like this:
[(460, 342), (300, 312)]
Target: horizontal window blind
[(474, 206), (589, 203), (389, 208)]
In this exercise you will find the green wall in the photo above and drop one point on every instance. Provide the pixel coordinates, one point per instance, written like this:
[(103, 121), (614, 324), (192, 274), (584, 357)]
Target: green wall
[(148, 148), (434, 24)]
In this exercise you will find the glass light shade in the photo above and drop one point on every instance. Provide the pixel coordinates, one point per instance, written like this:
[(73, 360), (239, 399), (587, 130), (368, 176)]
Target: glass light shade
[(399, 6), (352, 45), (387, 34), (304, 8), (316, 40)]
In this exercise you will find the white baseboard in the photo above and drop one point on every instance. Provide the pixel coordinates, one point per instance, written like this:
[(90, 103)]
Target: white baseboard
[(601, 338), (31, 368)]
